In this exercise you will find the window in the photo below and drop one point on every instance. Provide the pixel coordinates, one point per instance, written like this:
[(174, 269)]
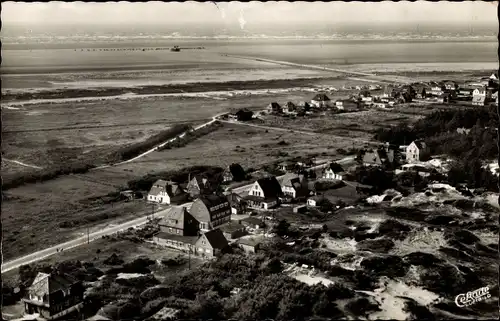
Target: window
[(170, 229), (178, 231)]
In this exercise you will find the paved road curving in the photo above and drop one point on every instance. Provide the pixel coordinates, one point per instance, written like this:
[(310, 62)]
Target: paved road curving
[(40, 255)]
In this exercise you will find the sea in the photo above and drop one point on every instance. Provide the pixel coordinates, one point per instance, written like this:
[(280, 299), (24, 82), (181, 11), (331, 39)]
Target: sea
[(54, 58)]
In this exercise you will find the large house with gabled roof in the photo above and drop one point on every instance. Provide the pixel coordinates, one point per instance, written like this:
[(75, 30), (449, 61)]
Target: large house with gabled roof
[(293, 185), (264, 193), (321, 101), (54, 295), (334, 171), (211, 211), (415, 151), (164, 192)]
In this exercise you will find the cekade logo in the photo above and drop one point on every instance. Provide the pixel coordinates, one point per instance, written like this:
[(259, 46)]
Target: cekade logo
[(471, 297)]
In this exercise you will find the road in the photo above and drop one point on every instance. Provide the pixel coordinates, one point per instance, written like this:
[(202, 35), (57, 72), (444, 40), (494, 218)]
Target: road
[(302, 132), (375, 78), (40, 255)]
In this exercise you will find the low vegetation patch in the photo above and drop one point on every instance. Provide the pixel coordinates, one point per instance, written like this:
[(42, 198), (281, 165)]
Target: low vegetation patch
[(192, 136), (136, 149)]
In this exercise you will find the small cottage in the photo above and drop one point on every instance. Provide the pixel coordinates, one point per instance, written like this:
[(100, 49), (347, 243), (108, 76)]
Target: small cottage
[(274, 108), (415, 151), (233, 230), (334, 172), (264, 193), (289, 108), (313, 201), (237, 203), (293, 185), (321, 101), (286, 166), (249, 245), (210, 244), (164, 192)]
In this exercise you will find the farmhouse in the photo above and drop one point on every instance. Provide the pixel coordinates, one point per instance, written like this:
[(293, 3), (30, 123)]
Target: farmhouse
[(450, 85), (437, 90), (415, 151), (198, 185), (164, 192), (321, 101), (289, 108), (333, 172), (264, 193), (210, 244), (211, 211), (292, 185), (274, 108), (53, 295)]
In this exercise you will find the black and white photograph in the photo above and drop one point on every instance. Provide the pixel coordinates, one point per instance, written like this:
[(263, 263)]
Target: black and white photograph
[(286, 161)]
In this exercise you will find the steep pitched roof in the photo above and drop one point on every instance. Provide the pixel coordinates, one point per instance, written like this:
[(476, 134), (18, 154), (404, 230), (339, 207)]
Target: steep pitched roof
[(290, 105), (372, 157), (321, 97), (175, 217), (216, 239), (270, 186), (336, 168), (274, 105), (45, 284), (171, 188), (213, 200), (420, 144)]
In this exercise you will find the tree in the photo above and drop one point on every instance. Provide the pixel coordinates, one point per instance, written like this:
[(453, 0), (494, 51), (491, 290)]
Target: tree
[(282, 228)]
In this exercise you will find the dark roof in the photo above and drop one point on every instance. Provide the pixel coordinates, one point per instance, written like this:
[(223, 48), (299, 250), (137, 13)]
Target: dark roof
[(274, 105), (216, 239), (178, 238), (171, 188), (290, 104), (270, 186), (420, 144), (336, 168), (321, 97), (244, 111), (213, 200)]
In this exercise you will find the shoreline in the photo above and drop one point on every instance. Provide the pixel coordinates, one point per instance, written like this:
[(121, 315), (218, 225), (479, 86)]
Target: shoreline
[(194, 87)]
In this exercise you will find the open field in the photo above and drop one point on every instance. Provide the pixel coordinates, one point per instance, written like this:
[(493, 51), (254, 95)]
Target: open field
[(360, 124), (37, 215)]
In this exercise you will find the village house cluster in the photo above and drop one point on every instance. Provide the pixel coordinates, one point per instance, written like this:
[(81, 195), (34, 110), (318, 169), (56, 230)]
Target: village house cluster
[(478, 93), (216, 219)]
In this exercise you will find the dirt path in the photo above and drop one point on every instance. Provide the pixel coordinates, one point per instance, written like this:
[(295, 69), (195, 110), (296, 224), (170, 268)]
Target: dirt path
[(21, 163)]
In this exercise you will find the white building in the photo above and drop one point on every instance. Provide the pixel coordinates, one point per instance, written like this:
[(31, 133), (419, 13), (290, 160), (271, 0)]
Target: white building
[(414, 151), (334, 172), (321, 101), (162, 191)]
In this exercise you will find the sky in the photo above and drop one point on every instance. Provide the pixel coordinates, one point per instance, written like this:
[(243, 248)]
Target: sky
[(250, 13)]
